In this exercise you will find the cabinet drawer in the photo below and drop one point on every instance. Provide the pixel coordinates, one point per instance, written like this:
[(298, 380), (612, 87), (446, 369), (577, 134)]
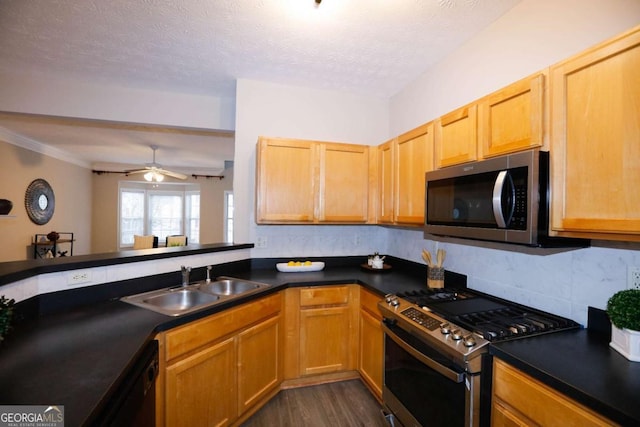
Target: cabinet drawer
[(332, 295), (536, 401), (189, 337)]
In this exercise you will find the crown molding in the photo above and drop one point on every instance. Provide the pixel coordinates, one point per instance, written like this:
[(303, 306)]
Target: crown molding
[(38, 147)]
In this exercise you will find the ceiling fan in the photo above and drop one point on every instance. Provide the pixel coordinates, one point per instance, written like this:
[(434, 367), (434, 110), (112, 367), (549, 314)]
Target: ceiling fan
[(154, 172)]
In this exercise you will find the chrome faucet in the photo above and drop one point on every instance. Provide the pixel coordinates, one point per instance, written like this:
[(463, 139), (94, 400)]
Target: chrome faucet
[(185, 275)]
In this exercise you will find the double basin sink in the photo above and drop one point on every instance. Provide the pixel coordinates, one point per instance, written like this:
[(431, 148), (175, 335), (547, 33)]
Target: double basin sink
[(179, 300)]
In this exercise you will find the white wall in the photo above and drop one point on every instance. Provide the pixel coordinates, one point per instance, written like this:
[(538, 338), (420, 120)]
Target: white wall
[(58, 97), (293, 112), (533, 35)]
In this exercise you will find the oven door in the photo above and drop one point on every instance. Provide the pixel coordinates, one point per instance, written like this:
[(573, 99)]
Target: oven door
[(422, 387)]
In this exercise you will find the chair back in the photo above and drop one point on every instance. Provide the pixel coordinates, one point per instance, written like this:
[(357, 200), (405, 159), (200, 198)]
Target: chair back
[(145, 242), (176, 240)]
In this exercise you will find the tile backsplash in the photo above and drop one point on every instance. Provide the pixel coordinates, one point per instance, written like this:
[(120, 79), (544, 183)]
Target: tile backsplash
[(561, 281)]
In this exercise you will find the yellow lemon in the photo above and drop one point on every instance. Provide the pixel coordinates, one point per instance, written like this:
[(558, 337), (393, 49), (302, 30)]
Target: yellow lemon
[(307, 263), (291, 263)]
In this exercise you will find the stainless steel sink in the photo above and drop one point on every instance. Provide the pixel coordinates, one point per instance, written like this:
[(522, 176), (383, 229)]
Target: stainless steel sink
[(180, 300), (177, 301), (231, 286)]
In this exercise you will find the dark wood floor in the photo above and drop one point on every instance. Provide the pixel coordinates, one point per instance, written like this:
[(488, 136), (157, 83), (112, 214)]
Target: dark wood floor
[(344, 403)]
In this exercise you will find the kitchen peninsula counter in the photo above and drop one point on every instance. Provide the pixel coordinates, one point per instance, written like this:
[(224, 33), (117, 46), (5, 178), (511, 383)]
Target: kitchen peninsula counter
[(78, 353), (77, 357)]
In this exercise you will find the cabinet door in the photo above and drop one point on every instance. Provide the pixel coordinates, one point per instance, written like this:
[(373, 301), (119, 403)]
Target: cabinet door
[(386, 162), (595, 142), (344, 183), (286, 174), (512, 119), (259, 362), (371, 351), (201, 389), (324, 340), (415, 158), (456, 137)]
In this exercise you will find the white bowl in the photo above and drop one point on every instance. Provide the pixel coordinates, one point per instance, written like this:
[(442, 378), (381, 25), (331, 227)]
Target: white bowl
[(315, 266)]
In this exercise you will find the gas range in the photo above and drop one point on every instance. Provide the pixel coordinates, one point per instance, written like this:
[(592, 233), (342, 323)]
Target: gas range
[(490, 317), (434, 342), (462, 322)]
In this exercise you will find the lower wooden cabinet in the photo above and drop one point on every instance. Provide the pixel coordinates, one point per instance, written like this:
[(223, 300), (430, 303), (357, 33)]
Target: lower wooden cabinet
[(201, 388), (371, 351), (322, 330), (217, 369), (520, 400), (259, 362)]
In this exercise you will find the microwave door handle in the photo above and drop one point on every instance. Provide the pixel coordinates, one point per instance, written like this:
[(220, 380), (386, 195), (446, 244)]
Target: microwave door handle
[(443, 370), (497, 199)]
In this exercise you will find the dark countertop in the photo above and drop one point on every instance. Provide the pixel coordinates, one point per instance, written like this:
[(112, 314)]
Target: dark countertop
[(17, 270), (580, 364), (78, 357)]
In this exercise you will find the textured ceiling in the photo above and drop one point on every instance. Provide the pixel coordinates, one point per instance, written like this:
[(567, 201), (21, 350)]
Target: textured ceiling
[(373, 47)]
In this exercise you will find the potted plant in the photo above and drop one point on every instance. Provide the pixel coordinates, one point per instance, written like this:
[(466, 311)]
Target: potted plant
[(6, 314), (623, 309)]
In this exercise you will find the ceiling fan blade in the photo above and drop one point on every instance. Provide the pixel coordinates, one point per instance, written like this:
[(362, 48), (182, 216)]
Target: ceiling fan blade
[(172, 174), (136, 171)]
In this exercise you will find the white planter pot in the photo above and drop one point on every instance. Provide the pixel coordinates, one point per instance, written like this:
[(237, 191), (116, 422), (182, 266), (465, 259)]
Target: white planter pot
[(626, 342)]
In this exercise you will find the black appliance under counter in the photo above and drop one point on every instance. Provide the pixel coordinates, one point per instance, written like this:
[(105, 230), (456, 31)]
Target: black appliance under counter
[(580, 364)]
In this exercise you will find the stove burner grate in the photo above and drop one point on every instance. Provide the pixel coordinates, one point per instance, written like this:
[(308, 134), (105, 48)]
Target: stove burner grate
[(511, 322)]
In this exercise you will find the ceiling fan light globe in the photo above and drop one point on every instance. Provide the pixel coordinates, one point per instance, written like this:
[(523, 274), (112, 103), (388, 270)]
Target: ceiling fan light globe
[(159, 177), (148, 176)]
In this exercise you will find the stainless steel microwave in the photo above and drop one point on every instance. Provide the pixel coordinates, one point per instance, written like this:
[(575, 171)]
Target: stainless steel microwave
[(503, 199)]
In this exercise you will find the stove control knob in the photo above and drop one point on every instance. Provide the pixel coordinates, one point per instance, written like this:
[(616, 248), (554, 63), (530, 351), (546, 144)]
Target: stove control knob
[(389, 297), (395, 302), (445, 328), (469, 341), (456, 334)]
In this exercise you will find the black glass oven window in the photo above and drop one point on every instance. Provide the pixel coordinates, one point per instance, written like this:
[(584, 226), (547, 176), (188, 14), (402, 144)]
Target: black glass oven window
[(432, 399)]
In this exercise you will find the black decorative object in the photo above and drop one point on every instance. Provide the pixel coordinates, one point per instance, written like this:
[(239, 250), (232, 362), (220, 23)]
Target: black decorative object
[(53, 236), (5, 206), (39, 201)]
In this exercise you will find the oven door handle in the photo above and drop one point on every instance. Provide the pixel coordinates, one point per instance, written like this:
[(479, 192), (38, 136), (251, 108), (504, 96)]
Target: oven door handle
[(443, 370)]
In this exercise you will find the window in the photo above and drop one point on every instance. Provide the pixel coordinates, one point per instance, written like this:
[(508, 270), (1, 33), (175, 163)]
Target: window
[(192, 216), (131, 215), (165, 213), (161, 211), (228, 216)]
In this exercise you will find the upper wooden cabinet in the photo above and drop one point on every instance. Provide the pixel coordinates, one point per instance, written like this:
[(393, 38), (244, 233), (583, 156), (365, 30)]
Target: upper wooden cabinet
[(595, 142), (512, 119), (286, 175), (386, 179), (456, 137), (402, 163), (344, 183), (311, 182), (414, 158)]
